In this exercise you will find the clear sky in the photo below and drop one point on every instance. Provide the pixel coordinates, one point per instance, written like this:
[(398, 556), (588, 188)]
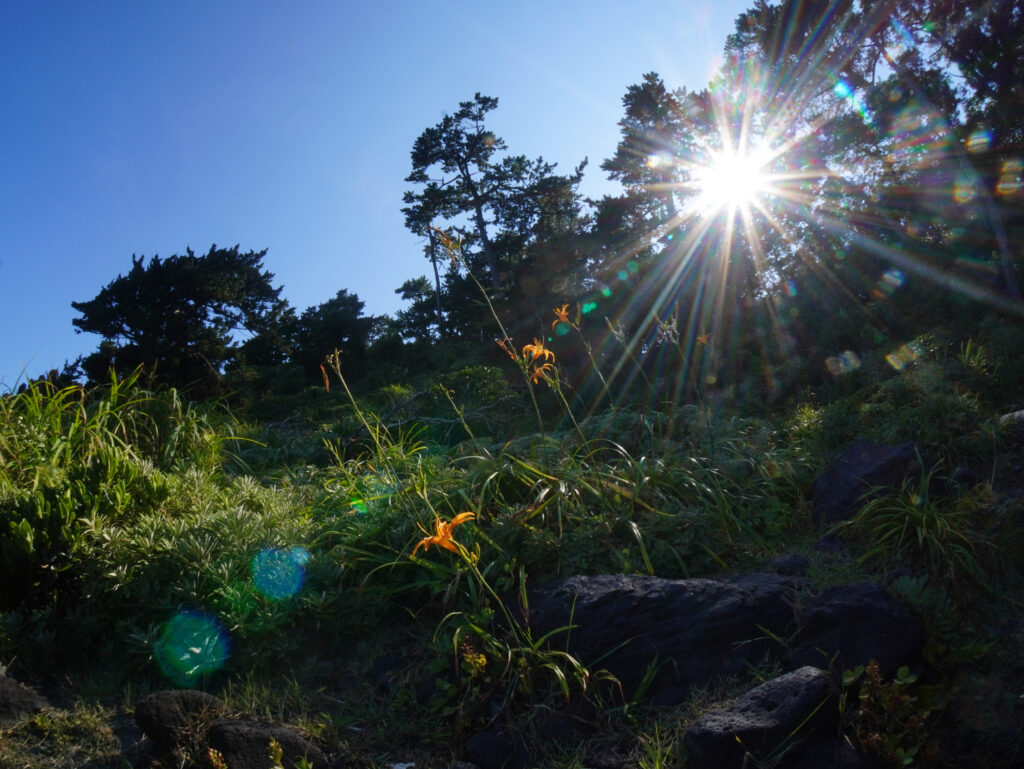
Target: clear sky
[(150, 127)]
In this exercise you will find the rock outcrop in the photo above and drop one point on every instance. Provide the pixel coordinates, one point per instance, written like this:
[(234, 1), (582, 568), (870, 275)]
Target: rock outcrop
[(769, 721), (669, 635), (864, 465)]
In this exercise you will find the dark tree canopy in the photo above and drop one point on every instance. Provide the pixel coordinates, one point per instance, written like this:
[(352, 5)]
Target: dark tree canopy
[(504, 207), (178, 317), (337, 324)]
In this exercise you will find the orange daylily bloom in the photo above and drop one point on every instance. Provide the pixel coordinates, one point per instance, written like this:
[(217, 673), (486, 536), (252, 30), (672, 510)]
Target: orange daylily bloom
[(443, 533), (561, 315), (537, 373), (443, 237), (327, 382), (537, 350), (703, 338)]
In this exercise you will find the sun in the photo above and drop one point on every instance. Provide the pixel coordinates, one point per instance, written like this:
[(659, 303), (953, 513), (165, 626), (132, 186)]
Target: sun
[(732, 180)]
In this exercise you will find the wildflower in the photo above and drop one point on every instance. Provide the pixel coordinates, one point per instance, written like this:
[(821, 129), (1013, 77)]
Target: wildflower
[(537, 372), (327, 382), (506, 345), (443, 533), (448, 243), (561, 315), (275, 753), (703, 338), (537, 350)]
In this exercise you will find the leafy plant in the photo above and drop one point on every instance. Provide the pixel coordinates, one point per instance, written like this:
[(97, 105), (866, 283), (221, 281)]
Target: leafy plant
[(894, 719), (919, 527)]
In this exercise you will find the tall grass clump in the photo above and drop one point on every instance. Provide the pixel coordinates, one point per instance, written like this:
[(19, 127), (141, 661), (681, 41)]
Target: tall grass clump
[(72, 459)]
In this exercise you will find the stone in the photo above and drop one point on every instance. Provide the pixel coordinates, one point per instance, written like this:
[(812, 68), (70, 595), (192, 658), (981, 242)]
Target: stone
[(765, 722), (17, 701), (670, 634), (1012, 425), (177, 718), (850, 625), (790, 565), (829, 754), (864, 465), (246, 744), (496, 750)]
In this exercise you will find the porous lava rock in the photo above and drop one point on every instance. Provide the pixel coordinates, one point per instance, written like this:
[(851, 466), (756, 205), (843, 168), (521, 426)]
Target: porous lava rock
[(1013, 425), (246, 744), (691, 629), (177, 718), (767, 721), (673, 634), (496, 750), (849, 625), (17, 701), (864, 465)]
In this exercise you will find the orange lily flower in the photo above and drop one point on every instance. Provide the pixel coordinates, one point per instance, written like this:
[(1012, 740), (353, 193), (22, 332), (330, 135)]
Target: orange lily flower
[(327, 382), (703, 338), (443, 533), (443, 237), (561, 315), (537, 373), (537, 350)]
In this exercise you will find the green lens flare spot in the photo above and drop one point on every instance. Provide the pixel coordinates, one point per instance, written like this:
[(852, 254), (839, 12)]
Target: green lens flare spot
[(191, 646), (279, 572)]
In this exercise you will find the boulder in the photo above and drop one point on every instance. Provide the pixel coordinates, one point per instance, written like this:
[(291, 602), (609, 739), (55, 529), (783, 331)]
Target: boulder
[(838, 492), (850, 625), (829, 754), (246, 745), (17, 701), (177, 718), (672, 634), (1012, 424), (790, 564), (767, 722), (496, 750)]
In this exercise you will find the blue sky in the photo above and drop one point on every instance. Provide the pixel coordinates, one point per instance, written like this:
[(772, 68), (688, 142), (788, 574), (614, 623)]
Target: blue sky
[(147, 128)]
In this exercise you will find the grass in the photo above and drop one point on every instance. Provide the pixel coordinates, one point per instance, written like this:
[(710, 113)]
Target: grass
[(282, 578)]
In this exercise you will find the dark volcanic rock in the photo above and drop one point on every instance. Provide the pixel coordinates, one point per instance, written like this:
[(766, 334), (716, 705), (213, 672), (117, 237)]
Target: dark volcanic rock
[(768, 719), (850, 625), (864, 465), (245, 745), (17, 701), (177, 718), (790, 564), (828, 754), (694, 629), (1013, 426), (494, 750)]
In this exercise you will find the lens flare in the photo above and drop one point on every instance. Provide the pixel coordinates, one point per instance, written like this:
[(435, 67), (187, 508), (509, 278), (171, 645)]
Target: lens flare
[(843, 90), (731, 179), (978, 141), (904, 356), (845, 363), (1010, 178), (191, 646), (279, 572)]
